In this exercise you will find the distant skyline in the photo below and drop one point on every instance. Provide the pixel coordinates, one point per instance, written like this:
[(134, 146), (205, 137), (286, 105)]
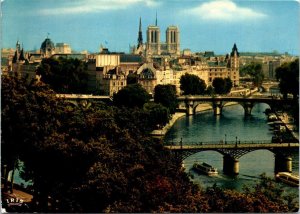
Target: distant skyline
[(215, 25)]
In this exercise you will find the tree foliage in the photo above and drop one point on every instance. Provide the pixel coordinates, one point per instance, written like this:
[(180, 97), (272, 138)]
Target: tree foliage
[(132, 79), (192, 84), (254, 70), (158, 114), (222, 86), (133, 95), (64, 75), (166, 95), (288, 76), (100, 159)]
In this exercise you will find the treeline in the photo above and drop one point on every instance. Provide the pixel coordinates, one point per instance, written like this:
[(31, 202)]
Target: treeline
[(99, 158)]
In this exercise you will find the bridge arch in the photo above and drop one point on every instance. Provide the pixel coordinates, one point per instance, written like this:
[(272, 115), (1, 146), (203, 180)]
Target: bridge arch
[(266, 103), (204, 105), (232, 151)]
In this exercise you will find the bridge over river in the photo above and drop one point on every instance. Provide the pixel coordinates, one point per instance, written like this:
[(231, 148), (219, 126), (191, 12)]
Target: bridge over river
[(233, 150), (218, 102)]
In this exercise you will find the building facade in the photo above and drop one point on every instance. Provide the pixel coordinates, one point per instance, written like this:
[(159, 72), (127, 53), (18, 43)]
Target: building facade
[(62, 48)]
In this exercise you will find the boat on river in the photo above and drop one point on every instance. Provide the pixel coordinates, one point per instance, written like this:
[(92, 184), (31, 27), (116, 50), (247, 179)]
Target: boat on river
[(288, 178), (205, 168)]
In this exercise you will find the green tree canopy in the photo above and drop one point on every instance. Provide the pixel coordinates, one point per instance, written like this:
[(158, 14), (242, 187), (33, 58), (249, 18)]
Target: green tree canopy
[(158, 114), (100, 159), (131, 96), (228, 84), (219, 85), (255, 71), (166, 95), (64, 75), (132, 79), (192, 84), (288, 76), (222, 86)]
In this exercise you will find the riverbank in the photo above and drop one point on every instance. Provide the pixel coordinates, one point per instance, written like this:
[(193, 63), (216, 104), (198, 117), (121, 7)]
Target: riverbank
[(159, 133), (288, 122)]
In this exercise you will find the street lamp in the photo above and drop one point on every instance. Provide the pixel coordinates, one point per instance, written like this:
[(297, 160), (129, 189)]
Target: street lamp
[(225, 138)]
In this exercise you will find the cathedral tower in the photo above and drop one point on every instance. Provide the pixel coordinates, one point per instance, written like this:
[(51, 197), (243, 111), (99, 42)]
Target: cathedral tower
[(172, 40), (153, 40)]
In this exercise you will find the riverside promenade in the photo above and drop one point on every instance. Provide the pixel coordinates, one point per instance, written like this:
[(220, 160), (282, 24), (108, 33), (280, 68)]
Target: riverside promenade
[(159, 133)]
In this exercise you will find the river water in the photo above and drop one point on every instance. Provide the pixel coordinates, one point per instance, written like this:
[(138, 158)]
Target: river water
[(232, 125)]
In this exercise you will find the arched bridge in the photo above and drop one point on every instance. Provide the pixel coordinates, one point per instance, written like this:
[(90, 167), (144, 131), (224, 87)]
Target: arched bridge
[(233, 150), (268, 85), (218, 102), (83, 99)]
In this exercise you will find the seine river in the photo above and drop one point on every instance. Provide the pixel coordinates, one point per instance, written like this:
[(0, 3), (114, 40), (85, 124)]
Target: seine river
[(232, 125)]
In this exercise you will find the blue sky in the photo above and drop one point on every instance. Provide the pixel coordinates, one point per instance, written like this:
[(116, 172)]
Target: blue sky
[(204, 25)]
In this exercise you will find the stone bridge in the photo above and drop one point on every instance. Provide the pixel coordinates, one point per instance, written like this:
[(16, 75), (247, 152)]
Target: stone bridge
[(233, 150), (218, 102), (83, 99)]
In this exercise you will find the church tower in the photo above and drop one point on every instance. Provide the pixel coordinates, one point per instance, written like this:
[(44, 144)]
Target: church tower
[(233, 65), (172, 40), (19, 56), (153, 39), (234, 57)]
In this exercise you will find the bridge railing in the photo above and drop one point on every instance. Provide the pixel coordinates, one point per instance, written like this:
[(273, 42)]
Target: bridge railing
[(234, 146), (221, 142)]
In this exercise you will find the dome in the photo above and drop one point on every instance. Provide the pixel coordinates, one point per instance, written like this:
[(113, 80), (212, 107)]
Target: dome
[(47, 45)]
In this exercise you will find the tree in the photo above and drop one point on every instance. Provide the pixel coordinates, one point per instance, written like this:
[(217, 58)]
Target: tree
[(222, 86), (101, 159), (158, 114), (209, 90), (32, 110), (131, 96), (255, 71), (219, 85), (64, 75), (192, 84), (132, 79), (228, 85), (288, 76), (166, 95)]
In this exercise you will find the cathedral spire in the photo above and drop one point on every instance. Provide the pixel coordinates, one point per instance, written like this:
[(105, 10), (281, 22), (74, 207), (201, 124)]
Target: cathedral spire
[(140, 26), (22, 57), (18, 46), (140, 35), (156, 19)]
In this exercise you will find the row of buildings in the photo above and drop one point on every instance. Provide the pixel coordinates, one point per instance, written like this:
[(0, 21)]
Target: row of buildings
[(153, 62)]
